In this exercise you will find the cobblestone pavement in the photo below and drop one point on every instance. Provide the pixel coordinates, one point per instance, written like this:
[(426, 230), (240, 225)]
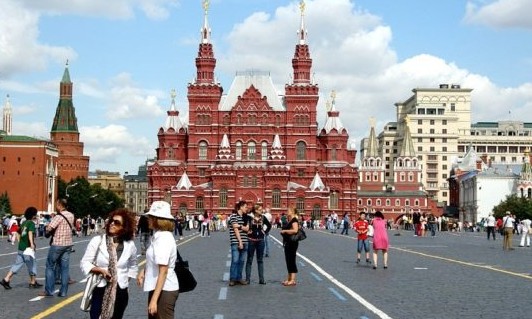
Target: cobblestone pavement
[(453, 275)]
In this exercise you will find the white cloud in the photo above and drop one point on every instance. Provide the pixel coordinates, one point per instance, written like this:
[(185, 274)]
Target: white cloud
[(357, 61), (33, 129), (19, 46), (500, 13), (129, 101), (107, 144)]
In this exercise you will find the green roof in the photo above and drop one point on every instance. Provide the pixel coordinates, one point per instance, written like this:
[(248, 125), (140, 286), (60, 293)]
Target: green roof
[(66, 76), (65, 117), (21, 138)]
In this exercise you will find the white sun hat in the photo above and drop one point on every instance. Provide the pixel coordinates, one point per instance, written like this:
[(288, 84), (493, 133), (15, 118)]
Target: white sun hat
[(160, 209)]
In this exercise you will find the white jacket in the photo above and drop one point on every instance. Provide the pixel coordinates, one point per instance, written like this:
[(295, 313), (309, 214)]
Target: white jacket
[(126, 265)]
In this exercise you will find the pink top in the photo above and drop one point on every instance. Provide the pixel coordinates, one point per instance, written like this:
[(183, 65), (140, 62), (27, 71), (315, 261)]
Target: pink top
[(380, 234)]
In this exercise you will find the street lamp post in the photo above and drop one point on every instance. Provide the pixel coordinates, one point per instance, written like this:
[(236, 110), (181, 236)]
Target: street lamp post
[(66, 189)]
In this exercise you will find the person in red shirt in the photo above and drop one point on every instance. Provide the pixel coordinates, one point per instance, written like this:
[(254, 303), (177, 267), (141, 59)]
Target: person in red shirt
[(361, 227)]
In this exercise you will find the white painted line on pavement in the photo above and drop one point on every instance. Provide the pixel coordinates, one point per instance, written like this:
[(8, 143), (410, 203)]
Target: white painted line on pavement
[(228, 263), (226, 276), (223, 293), (228, 255), (420, 268), (346, 289), (302, 264), (337, 294), (218, 317), (42, 297), (318, 278)]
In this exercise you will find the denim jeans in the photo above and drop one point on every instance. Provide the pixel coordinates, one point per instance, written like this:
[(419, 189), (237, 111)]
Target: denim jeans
[(30, 262), (57, 256), (257, 246), (238, 258), (267, 245)]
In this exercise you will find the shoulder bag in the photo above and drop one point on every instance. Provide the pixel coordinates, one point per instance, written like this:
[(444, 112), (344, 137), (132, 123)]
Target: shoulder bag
[(92, 282), (299, 236), (186, 279)]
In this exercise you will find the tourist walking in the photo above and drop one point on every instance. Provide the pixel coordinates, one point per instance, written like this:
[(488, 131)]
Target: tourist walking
[(113, 255), (380, 239), (259, 227), (239, 243), (525, 232), (345, 224), (361, 227), (60, 229), (508, 228), (26, 251), (290, 246), (143, 228), (490, 226), (158, 278)]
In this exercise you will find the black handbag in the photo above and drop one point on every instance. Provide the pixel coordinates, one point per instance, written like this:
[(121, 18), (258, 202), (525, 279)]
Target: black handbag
[(186, 279), (299, 236)]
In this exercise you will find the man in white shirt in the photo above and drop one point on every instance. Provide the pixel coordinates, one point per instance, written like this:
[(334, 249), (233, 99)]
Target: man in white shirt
[(525, 237), (490, 226)]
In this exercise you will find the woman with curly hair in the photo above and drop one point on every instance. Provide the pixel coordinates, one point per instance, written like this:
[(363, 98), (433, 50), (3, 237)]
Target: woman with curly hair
[(114, 256)]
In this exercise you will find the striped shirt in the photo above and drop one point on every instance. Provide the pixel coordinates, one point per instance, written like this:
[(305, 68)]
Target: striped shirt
[(63, 233), (236, 218)]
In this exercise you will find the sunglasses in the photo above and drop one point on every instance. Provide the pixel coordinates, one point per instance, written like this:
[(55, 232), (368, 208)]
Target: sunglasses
[(116, 222)]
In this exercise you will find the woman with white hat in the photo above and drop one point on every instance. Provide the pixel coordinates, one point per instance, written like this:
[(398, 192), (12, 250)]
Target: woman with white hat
[(158, 277)]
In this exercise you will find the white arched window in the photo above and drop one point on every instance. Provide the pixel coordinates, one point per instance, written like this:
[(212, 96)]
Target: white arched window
[(202, 150), (238, 152)]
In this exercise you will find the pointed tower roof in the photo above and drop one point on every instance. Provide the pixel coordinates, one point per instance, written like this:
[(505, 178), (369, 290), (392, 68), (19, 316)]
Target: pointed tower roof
[(205, 31), (333, 120), (407, 148), (65, 114), (469, 161), (317, 183), (373, 144), (302, 31), (277, 149), (302, 63), (224, 151), (184, 182), (7, 117), (172, 120)]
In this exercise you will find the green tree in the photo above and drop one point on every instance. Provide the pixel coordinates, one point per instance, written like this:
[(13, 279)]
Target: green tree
[(521, 207), (5, 205), (85, 199)]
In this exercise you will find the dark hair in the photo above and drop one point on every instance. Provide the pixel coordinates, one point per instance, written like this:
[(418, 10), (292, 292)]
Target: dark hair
[(30, 213), (63, 202), (240, 204), (379, 215), (128, 225)]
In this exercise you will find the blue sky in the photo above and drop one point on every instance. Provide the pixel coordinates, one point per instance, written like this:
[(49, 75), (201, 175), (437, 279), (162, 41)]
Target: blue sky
[(125, 56)]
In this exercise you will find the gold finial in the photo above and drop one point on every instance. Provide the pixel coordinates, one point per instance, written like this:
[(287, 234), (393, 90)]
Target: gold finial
[(173, 94), (372, 121), (67, 62), (302, 6), (206, 5)]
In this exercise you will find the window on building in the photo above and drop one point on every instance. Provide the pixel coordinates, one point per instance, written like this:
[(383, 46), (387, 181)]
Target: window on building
[(375, 177), (264, 151), (226, 120), (238, 152), (416, 202), (444, 148), (378, 202), (444, 122), (368, 177), (276, 198), (444, 140), (432, 139), (402, 177), (420, 131), (333, 153), (444, 131), (301, 150), (201, 172), (223, 197), (420, 148), (432, 122), (202, 150), (200, 207), (388, 202), (245, 182), (300, 205), (316, 212), (277, 120), (251, 151), (453, 107), (420, 122), (300, 172), (254, 181), (432, 149), (333, 200), (397, 202), (369, 202), (410, 177), (407, 202), (420, 140), (444, 175), (359, 202), (432, 131)]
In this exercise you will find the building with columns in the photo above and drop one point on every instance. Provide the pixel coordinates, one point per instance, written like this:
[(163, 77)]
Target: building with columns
[(254, 144)]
